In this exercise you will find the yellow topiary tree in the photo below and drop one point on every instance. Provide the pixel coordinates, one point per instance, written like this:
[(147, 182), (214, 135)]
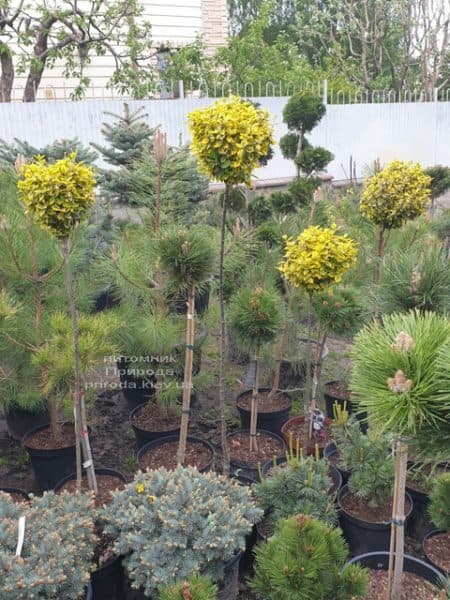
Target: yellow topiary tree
[(229, 139), (391, 197), (315, 260), (58, 196)]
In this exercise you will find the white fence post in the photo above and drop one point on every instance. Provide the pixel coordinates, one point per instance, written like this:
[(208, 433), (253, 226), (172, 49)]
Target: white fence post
[(325, 92)]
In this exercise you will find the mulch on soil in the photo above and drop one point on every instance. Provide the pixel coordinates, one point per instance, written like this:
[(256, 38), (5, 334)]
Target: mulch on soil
[(300, 431), (438, 549), (149, 418), (413, 587), (105, 483), (357, 507), (197, 455), (266, 404), (338, 390), (239, 448), (44, 439)]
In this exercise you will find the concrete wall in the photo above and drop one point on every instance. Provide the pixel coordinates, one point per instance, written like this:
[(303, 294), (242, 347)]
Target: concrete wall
[(409, 131)]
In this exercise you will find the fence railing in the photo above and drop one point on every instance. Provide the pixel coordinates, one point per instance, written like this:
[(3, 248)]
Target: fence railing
[(254, 89)]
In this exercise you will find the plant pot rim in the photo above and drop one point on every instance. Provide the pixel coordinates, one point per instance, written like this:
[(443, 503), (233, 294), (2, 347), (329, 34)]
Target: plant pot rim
[(249, 391), (47, 426), (98, 471), (137, 408), (437, 576), (252, 466), (282, 459), (12, 490), (429, 535), (345, 489), (175, 438), (301, 419)]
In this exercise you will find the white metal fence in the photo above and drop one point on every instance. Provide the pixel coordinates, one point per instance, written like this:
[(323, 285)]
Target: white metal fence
[(357, 132)]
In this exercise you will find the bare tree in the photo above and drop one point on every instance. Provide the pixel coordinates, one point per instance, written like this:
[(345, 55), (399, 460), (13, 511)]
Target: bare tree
[(37, 36)]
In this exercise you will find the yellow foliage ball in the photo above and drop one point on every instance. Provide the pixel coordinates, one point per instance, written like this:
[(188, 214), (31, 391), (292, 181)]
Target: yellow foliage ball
[(399, 192), (229, 139), (317, 258), (59, 194)]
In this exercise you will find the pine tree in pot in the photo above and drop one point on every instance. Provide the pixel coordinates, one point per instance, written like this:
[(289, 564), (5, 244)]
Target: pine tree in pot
[(46, 546), (255, 319), (229, 139), (194, 587), (188, 259), (303, 561), (162, 525), (313, 262), (58, 196), (400, 376), (436, 544)]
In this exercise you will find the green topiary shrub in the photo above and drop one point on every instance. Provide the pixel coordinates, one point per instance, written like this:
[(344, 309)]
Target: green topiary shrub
[(169, 525), (439, 508), (55, 560), (303, 111), (300, 486), (304, 560), (260, 209), (302, 191), (313, 159), (195, 587)]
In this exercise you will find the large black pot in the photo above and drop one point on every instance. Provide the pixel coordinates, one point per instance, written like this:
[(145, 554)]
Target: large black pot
[(268, 421), (107, 582), (331, 450), (424, 550), (364, 536), (418, 522), (380, 561), (247, 469), (330, 400), (99, 471), (49, 465), (136, 389), (21, 420), (174, 438), (143, 436)]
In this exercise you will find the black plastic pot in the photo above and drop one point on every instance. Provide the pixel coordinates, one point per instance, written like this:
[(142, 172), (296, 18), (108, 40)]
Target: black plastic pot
[(424, 550), (247, 469), (418, 522), (17, 491), (330, 400), (107, 582), (105, 300), (268, 421), (174, 438), (49, 465), (19, 421), (136, 389), (331, 450), (229, 588), (380, 561), (364, 536), (143, 436), (99, 471)]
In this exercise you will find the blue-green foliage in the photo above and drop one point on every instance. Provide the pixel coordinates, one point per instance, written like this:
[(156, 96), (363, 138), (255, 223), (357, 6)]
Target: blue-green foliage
[(58, 546), (169, 525)]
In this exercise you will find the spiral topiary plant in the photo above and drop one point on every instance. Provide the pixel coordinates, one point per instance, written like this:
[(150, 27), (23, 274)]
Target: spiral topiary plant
[(304, 560), (300, 486), (169, 525), (195, 587), (54, 561)]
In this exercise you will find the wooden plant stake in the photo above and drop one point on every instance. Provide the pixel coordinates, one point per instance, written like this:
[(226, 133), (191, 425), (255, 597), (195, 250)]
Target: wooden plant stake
[(254, 405), (187, 381), (160, 154), (396, 552)]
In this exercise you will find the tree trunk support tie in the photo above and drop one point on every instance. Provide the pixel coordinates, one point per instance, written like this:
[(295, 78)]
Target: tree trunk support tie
[(189, 346), (186, 411)]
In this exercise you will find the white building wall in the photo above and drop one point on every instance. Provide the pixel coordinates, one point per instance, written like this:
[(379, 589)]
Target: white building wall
[(407, 131)]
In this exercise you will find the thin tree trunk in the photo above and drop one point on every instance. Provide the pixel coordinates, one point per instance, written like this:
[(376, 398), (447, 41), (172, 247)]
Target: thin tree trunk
[(317, 371), (308, 391), (55, 426), (80, 431), (223, 424), (158, 199), (7, 77), (187, 382), (380, 254), (254, 405)]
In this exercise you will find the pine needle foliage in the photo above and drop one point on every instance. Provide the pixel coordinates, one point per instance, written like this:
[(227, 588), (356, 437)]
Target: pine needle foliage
[(196, 587), (187, 256), (439, 508), (9, 151), (55, 561), (398, 373), (304, 560), (300, 486)]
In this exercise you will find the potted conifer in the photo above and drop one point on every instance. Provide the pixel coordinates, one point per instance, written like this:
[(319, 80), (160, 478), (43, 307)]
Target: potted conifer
[(436, 544)]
